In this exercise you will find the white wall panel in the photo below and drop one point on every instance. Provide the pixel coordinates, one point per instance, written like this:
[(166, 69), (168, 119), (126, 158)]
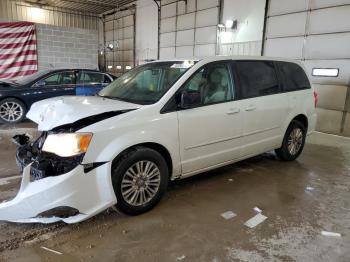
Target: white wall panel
[(191, 6), (330, 20), (167, 39), (286, 25), (185, 21), (287, 6), (207, 17), (184, 51), (168, 10), (185, 37), (168, 25), (331, 97), (181, 8), (344, 71), (206, 35), (166, 53), (291, 47), (326, 3), (127, 21), (204, 50), (204, 4), (329, 46)]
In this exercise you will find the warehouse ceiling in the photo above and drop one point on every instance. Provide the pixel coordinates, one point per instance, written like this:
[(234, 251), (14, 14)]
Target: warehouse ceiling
[(85, 6)]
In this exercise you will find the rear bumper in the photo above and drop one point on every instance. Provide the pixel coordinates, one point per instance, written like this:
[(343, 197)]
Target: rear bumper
[(89, 193)]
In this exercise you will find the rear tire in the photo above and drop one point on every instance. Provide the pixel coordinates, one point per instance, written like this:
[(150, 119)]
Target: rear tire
[(140, 178), (12, 111), (293, 142)]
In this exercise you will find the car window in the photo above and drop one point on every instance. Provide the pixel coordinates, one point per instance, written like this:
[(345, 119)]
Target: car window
[(67, 78), (294, 77), (85, 77), (62, 78), (257, 78), (147, 83), (53, 79), (213, 82), (106, 79)]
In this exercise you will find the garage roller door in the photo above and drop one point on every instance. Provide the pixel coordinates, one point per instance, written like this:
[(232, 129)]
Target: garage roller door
[(188, 29), (316, 32), (120, 33)]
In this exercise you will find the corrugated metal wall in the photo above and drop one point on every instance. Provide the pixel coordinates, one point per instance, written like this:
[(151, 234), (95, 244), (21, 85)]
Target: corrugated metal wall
[(316, 32), (188, 28), (119, 30), (13, 11)]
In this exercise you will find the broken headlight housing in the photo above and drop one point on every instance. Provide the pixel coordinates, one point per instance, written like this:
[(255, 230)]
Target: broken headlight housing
[(67, 144)]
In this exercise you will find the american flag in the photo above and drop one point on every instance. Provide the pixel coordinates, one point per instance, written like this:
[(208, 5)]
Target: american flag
[(18, 53)]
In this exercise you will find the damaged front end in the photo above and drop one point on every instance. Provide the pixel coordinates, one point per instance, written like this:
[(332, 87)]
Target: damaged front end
[(44, 164), (56, 185)]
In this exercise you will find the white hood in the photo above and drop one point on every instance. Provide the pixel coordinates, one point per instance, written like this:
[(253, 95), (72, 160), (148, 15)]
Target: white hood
[(57, 111)]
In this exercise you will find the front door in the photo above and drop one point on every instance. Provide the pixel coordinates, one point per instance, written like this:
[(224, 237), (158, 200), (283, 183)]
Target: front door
[(56, 84), (210, 133)]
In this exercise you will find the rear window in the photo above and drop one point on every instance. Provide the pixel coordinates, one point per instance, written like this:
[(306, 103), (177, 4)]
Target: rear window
[(294, 77), (257, 78)]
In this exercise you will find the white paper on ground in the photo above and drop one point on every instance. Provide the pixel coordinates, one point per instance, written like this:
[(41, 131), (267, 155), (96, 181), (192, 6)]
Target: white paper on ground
[(309, 188), (256, 220), (330, 234), (51, 250), (256, 209), (228, 215)]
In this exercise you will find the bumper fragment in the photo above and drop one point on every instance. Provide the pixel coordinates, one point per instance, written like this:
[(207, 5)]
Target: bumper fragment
[(88, 193)]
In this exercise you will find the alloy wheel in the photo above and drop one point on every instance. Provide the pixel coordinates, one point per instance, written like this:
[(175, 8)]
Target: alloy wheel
[(140, 183), (11, 111), (295, 141)]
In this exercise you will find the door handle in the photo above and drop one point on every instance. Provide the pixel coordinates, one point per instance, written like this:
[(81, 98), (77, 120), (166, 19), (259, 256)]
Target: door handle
[(250, 108), (233, 111)]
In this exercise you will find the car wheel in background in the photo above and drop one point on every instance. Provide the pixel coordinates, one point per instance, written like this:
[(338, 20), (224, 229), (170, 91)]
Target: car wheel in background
[(140, 178), (293, 142), (12, 111)]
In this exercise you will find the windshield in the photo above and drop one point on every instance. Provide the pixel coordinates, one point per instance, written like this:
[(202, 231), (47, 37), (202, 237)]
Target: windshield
[(27, 79), (146, 84)]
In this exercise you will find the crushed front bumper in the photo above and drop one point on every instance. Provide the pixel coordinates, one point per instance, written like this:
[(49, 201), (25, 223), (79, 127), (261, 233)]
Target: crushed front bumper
[(87, 192)]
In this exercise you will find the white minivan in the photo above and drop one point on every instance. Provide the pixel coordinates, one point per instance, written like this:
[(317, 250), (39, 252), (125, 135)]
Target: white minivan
[(160, 121)]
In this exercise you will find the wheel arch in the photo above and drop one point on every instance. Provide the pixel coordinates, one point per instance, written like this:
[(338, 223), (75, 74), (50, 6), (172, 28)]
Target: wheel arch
[(152, 145), (302, 119), (17, 98)]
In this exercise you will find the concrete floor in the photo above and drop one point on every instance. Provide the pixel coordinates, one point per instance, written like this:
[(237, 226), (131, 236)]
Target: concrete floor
[(187, 226)]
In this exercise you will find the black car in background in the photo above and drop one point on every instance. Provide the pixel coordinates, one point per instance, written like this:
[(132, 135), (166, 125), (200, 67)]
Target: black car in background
[(16, 96)]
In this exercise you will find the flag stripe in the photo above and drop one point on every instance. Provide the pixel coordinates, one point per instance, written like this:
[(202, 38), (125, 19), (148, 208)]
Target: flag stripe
[(18, 64), (15, 35), (18, 73), (15, 45), (18, 50), (21, 53)]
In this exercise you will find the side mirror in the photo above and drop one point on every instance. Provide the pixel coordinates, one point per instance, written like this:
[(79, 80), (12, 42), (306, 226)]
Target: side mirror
[(40, 83), (190, 99)]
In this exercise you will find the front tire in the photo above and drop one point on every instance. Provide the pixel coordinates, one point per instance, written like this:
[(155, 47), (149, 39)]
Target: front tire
[(12, 111), (140, 178), (293, 142)]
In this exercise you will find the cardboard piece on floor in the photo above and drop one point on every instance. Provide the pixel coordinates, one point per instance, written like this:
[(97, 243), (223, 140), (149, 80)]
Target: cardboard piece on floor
[(256, 220), (330, 234), (228, 215)]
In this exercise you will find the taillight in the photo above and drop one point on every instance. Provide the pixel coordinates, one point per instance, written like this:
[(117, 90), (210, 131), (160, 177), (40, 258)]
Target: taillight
[(315, 98)]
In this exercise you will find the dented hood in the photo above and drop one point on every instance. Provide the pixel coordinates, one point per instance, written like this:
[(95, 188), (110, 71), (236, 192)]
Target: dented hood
[(53, 112)]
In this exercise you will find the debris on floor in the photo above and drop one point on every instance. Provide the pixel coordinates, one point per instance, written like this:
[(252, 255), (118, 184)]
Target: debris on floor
[(256, 220), (180, 258), (257, 210), (330, 234), (230, 180), (51, 250), (309, 188), (228, 215)]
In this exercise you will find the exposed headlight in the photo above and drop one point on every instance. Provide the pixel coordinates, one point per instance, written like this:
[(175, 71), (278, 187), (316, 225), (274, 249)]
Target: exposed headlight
[(66, 145)]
